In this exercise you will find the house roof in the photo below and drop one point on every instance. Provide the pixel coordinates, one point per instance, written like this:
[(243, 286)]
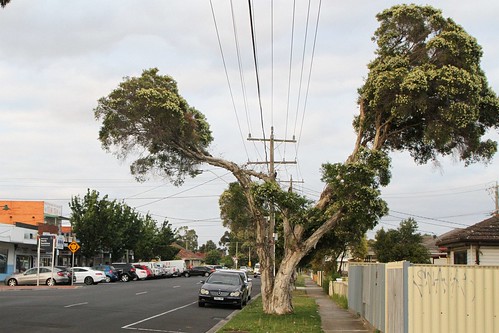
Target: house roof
[(430, 243), (486, 231), (185, 254)]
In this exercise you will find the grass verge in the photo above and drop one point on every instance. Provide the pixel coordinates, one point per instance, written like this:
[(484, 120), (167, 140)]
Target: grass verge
[(342, 301), (252, 319)]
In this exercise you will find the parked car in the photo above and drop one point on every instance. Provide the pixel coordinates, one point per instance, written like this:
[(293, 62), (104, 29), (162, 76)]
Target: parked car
[(224, 289), (199, 271), (29, 277), (245, 277), (141, 273), (111, 272), (256, 270), (149, 274), (126, 272), (87, 275)]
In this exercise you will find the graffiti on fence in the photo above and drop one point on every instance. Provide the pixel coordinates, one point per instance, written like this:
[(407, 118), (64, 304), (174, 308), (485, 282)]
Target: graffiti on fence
[(443, 280)]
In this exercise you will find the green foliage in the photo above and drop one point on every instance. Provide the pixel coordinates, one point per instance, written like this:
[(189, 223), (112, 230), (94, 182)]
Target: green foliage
[(341, 300), (234, 210), (401, 244), (210, 245), (187, 238), (110, 226), (425, 91), (146, 114), (213, 257)]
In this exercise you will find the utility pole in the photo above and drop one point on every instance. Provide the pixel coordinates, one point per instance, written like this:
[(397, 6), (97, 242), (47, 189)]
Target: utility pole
[(271, 232)]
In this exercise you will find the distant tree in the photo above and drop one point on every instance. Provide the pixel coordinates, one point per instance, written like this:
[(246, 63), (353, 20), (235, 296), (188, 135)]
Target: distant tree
[(163, 240), (210, 245), (213, 257), (401, 244), (359, 250), (114, 227), (187, 238)]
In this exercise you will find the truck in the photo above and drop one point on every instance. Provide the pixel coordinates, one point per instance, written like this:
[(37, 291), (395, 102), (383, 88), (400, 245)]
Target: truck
[(174, 267)]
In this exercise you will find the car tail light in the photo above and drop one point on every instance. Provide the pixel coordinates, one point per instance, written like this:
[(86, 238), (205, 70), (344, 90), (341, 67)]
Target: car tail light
[(132, 269), (60, 273), (98, 273)]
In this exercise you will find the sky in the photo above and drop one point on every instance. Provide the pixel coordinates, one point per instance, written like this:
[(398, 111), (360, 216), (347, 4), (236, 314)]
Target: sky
[(57, 58)]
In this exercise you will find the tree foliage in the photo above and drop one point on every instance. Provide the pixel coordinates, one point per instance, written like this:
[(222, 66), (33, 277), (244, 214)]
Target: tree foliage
[(146, 115), (401, 244), (425, 93), (187, 238), (114, 227)]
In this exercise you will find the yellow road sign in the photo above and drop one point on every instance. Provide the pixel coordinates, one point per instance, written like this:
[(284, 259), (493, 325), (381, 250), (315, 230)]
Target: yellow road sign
[(73, 247)]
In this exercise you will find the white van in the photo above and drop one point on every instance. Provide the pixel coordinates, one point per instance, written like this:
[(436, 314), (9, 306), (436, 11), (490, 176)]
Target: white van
[(256, 270), (174, 267)]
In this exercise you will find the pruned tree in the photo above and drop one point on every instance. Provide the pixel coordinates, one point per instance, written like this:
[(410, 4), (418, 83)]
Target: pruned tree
[(425, 93)]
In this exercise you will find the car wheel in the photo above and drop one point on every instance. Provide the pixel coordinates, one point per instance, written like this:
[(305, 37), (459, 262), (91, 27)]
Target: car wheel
[(240, 305), (125, 278), (108, 279), (12, 282), (206, 274), (201, 304), (186, 274), (50, 282), (88, 281)]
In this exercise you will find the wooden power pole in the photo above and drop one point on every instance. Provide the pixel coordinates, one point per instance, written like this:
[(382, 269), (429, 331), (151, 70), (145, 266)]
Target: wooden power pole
[(271, 163)]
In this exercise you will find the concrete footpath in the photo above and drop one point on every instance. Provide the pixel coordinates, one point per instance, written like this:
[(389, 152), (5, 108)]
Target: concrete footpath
[(333, 318)]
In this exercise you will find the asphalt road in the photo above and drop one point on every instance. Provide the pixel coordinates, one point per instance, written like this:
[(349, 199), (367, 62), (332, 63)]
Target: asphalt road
[(164, 305)]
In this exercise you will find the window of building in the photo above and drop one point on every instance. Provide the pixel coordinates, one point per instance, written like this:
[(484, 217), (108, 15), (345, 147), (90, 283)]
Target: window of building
[(4, 255), (460, 258)]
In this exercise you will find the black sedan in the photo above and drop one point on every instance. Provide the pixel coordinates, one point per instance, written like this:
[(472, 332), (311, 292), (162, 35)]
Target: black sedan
[(199, 271), (224, 289)]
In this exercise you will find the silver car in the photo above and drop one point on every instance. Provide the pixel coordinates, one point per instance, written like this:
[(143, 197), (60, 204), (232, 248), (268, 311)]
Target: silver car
[(60, 276)]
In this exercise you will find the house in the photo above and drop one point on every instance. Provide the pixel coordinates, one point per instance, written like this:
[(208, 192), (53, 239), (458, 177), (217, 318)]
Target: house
[(191, 258), (474, 245), (21, 223), (438, 255)]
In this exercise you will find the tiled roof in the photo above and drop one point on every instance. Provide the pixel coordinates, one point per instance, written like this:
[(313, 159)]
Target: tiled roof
[(486, 231)]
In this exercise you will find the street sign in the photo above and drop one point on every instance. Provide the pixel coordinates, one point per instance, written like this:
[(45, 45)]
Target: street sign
[(46, 243), (73, 247)]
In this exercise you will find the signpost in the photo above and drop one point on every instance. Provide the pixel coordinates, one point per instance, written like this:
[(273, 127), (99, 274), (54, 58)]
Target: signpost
[(45, 243), (73, 247)]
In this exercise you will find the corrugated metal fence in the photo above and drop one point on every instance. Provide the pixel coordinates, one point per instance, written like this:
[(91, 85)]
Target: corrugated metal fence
[(401, 297)]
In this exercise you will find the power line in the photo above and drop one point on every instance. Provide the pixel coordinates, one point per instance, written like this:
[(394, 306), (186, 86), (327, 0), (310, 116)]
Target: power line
[(227, 77), (253, 40)]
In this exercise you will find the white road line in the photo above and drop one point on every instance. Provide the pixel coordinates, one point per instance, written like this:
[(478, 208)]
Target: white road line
[(159, 315), (141, 293), (176, 286), (77, 304)]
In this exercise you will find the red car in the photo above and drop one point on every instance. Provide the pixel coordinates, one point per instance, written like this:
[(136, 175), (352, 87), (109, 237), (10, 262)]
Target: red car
[(150, 275)]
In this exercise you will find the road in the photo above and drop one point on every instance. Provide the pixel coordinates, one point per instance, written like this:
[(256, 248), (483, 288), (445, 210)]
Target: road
[(165, 305)]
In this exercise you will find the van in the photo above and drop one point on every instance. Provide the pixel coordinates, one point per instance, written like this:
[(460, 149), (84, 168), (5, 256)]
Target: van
[(174, 267), (256, 270)]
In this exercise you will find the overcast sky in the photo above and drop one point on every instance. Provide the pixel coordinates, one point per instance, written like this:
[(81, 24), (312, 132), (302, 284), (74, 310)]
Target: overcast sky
[(57, 58)]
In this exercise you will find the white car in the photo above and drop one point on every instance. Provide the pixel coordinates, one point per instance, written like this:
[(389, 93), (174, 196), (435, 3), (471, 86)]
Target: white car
[(141, 273), (87, 275)]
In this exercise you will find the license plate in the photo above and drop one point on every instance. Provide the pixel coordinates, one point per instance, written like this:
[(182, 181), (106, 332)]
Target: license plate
[(218, 298)]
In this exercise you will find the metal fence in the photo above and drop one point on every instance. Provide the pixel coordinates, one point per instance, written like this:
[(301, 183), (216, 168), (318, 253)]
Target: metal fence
[(405, 298)]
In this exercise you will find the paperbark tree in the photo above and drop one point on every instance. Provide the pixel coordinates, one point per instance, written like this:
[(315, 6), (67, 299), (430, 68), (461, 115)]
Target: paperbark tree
[(425, 93)]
